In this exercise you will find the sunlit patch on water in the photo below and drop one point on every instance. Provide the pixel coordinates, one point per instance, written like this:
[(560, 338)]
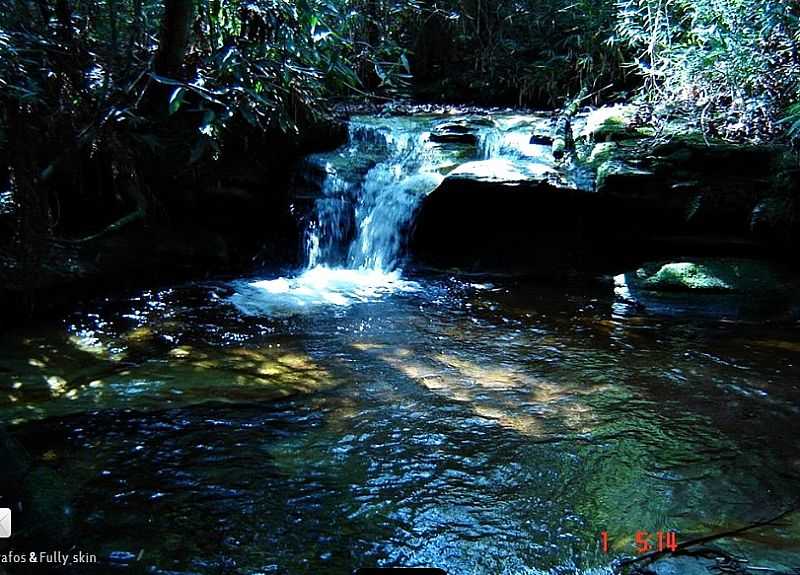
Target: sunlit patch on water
[(484, 428), (318, 286), (350, 417)]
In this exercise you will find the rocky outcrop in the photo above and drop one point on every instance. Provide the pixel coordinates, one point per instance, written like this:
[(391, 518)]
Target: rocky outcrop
[(736, 289), (454, 133), (613, 124), (624, 198), (515, 216), (504, 175), (709, 275)]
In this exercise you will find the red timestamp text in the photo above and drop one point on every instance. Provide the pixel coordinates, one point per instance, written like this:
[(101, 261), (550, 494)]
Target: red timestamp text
[(645, 542)]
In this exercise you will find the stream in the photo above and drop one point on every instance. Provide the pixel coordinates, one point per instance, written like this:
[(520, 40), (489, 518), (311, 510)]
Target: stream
[(361, 412)]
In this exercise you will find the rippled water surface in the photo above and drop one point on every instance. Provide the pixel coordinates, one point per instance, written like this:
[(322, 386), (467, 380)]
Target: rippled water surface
[(337, 422), (337, 418)]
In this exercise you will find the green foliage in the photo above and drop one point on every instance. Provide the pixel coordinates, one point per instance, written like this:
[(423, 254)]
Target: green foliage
[(95, 94), (792, 119), (267, 62), (523, 52), (732, 64)]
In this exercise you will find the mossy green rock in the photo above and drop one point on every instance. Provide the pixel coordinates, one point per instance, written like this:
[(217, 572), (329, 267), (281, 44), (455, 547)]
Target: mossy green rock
[(602, 153), (735, 276), (613, 124)]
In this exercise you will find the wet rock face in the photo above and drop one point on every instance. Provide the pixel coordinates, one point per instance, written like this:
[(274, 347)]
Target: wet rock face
[(503, 174), (639, 202), (454, 133), (525, 216), (680, 566)]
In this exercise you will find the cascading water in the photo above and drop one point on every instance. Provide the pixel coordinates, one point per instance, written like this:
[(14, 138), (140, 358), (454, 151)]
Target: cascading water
[(361, 218), (371, 211), (368, 194)]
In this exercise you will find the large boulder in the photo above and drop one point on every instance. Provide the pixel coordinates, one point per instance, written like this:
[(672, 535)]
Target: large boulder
[(710, 275), (517, 216)]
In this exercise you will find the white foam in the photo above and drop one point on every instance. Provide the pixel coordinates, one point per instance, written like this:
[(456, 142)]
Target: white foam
[(318, 286)]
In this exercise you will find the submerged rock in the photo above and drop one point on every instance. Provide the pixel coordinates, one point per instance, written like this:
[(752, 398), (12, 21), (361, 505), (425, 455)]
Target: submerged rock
[(729, 289), (680, 565)]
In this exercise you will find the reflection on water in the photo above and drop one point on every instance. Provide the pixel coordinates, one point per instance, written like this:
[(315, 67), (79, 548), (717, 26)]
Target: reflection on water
[(484, 428)]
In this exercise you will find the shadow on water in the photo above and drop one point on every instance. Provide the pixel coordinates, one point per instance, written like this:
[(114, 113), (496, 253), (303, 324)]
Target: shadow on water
[(483, 428), (348, 417)]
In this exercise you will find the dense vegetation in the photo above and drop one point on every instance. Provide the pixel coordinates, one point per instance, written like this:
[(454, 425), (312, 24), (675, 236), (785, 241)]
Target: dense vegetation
[(120, 111), (733, 64)]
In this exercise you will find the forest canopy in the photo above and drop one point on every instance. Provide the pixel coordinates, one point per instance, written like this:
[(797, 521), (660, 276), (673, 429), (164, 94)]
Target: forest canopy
[(271, 61), (103, 101)]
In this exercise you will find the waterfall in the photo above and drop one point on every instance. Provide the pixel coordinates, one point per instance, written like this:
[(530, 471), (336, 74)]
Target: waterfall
[(374, 184), (365, 196), (361, 219)]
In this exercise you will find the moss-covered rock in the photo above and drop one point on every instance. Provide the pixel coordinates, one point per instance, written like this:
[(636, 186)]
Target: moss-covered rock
[(613, 124), (685, 276), (602, 153), (621, 178), (724, 275)]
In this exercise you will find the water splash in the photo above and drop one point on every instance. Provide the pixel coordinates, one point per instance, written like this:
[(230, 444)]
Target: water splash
[(365, 201), (371, 210), (316, 286), (361, 219), (510, 139)]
